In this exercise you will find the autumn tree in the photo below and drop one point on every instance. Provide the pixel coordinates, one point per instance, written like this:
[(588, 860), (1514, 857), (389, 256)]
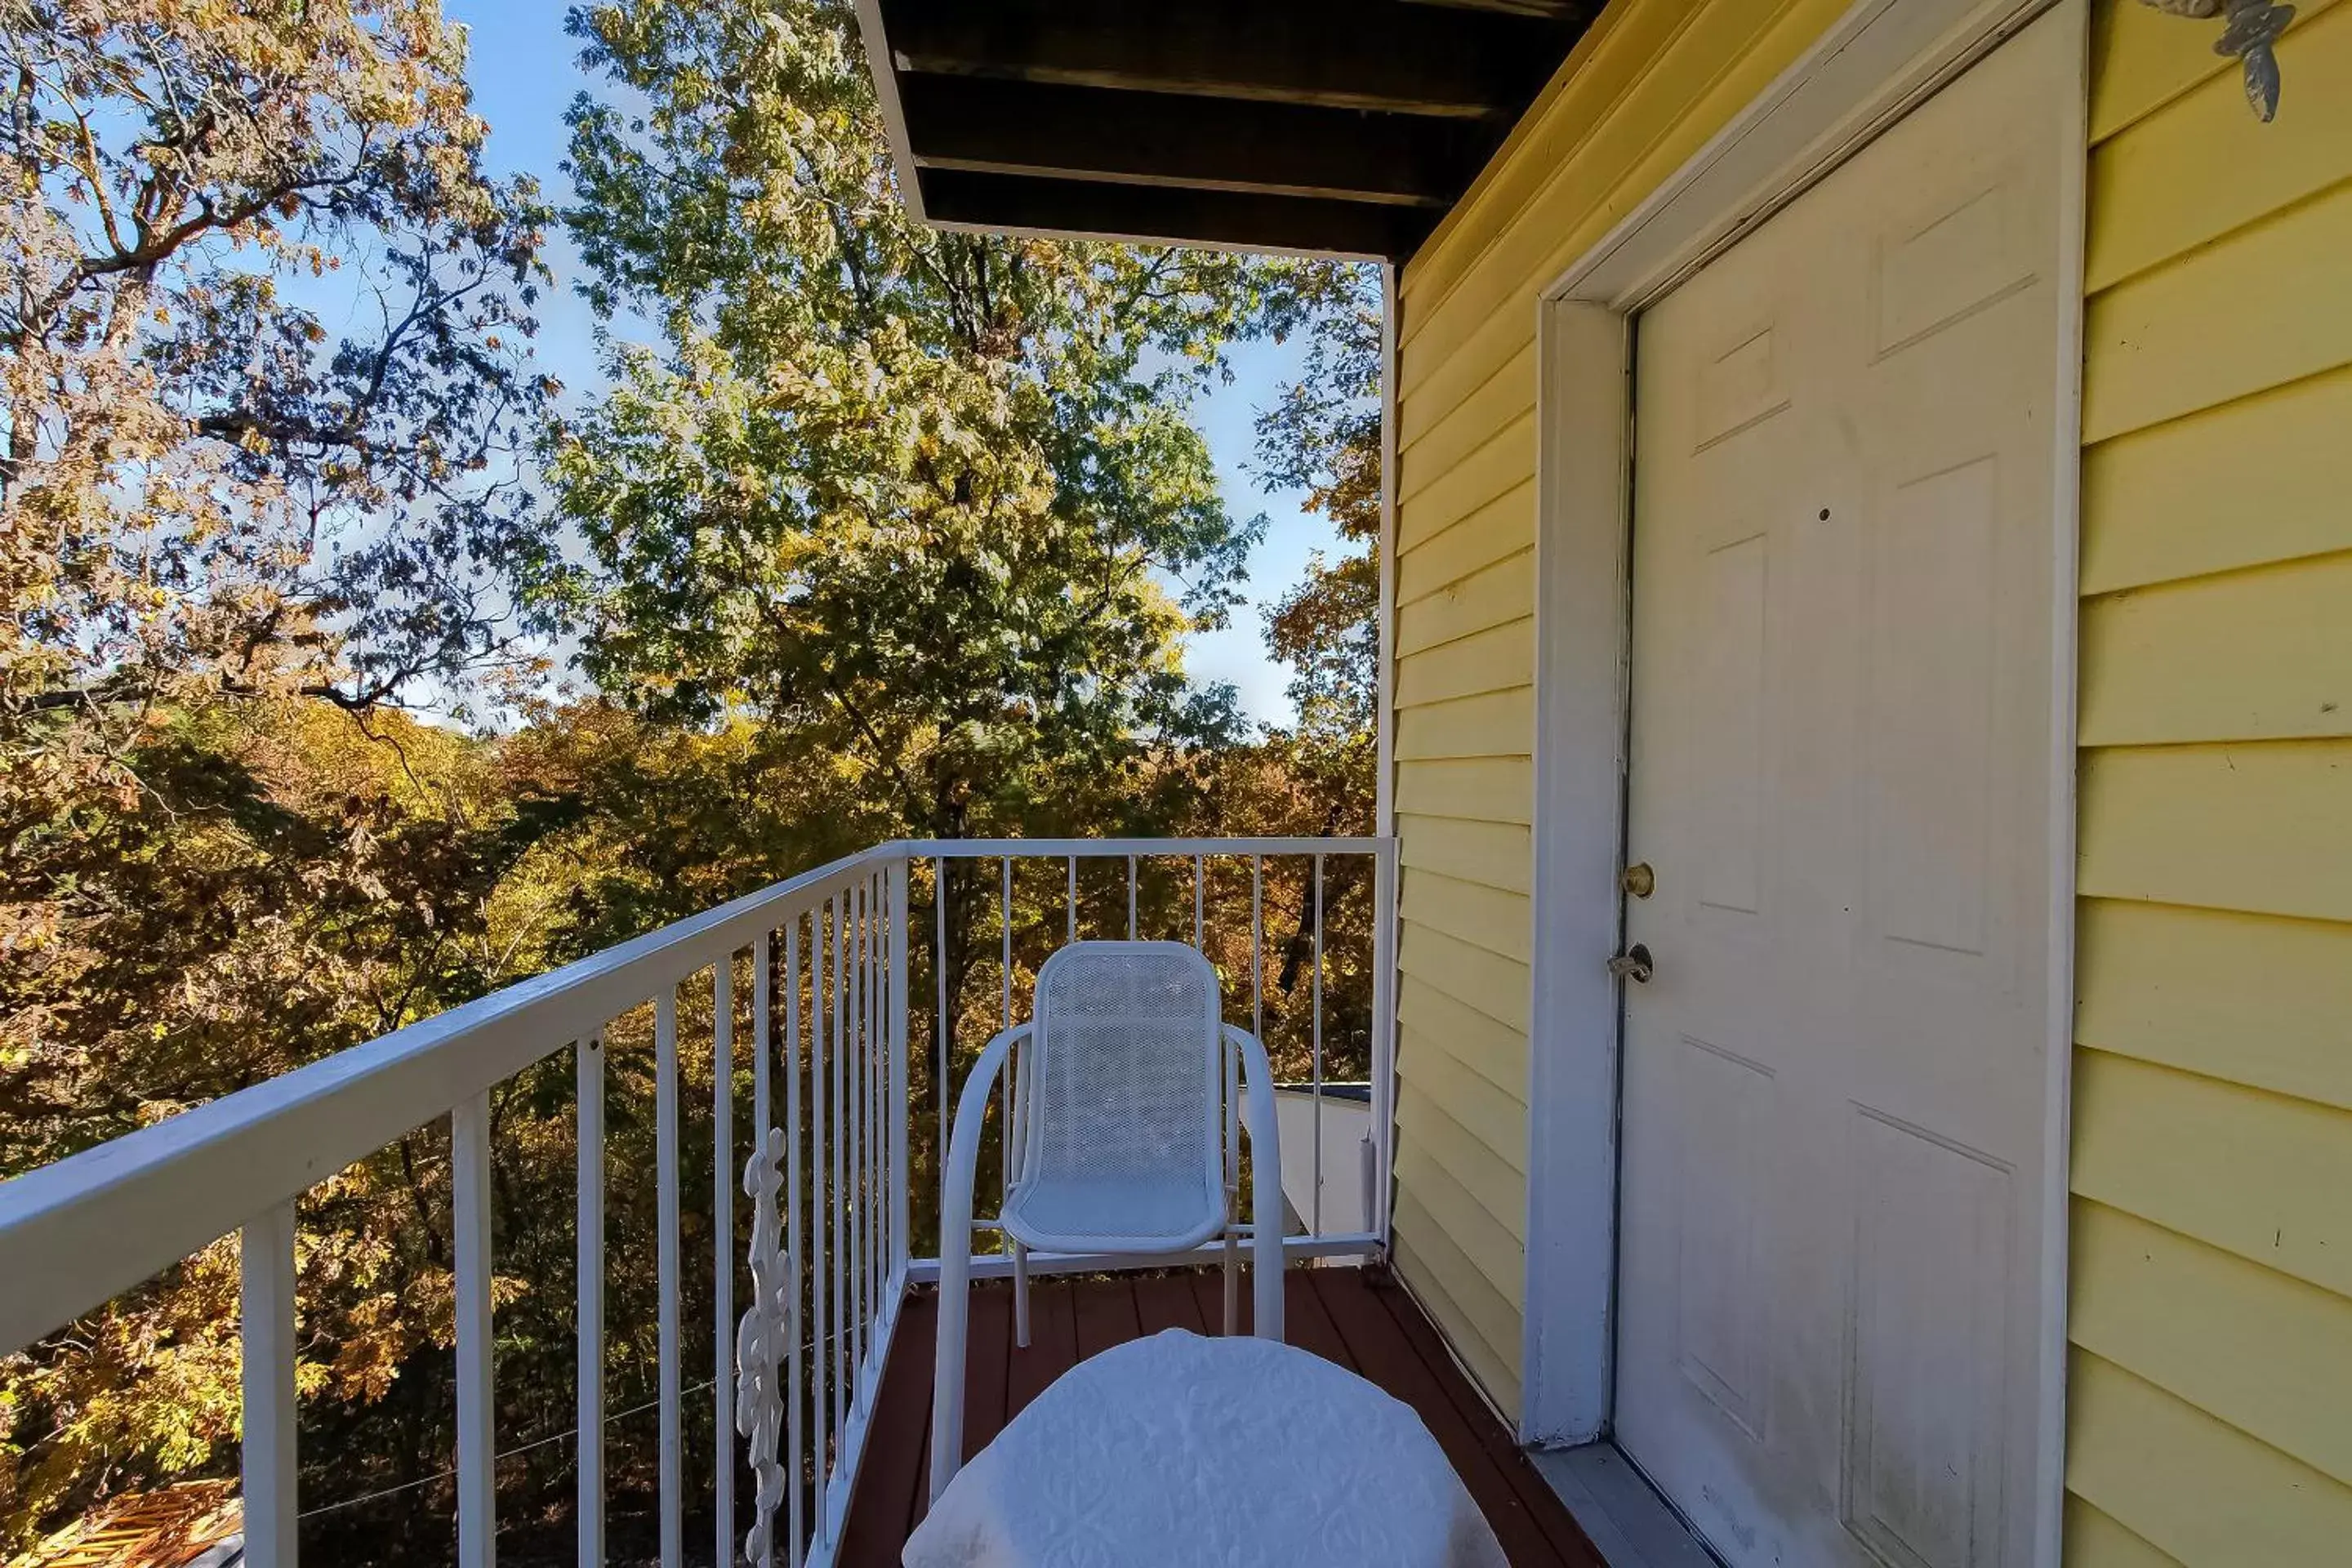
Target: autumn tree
[(886, 531), (234, 542), (1321, 436)]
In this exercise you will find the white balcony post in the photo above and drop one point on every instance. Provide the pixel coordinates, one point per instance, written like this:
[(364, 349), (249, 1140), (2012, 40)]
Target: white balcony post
[(588, 1077), (265, 1267), (469, 1140), (666, 1270)]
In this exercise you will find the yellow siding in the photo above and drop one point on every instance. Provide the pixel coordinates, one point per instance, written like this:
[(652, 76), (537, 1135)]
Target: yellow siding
[(2185, 1479), (2211, 1398), (1647, 87), (2095, 1540)]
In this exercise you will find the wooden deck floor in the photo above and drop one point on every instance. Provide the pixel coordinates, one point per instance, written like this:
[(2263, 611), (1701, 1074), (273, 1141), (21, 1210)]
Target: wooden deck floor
[(1356, 1318)]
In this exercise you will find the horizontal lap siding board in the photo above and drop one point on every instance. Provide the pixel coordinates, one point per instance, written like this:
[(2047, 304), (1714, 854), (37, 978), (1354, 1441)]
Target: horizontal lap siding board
[(1644, 90), (1483, 789), (1479, 1323), (1494, 1050), (1499, 529), (1490, 1177), (1493, 918), (2211, 1391)]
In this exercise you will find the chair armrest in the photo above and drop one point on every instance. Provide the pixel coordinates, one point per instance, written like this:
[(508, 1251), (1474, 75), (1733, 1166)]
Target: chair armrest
[(1265, 1182), (964, 1134), (955, 1255)]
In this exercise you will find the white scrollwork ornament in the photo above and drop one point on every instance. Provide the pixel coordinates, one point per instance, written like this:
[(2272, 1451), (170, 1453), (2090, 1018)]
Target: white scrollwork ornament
[(760, 1344)]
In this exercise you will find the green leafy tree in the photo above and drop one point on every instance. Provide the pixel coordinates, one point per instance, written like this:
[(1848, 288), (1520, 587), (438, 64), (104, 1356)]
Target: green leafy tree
[(929, 506)]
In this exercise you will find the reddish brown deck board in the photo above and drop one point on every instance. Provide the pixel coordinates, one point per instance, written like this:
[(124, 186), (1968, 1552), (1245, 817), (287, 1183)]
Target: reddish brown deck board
[(1305, 1323), (1355, 1318), (1164, 1302), (1208, 1293), (987, 1368), (1052, 1343), (1106, 1317), (1567, 1537), (892, 1472), (1384, 1355)]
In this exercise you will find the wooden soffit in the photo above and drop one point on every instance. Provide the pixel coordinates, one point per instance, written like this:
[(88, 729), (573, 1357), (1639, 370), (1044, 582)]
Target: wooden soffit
[(1345, 127)]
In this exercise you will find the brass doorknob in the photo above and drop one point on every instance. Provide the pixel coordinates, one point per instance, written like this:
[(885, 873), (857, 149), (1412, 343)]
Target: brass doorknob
[(1632, 964)]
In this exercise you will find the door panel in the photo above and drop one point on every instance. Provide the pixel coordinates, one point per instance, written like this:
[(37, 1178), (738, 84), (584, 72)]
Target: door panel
[(1830, 1272)]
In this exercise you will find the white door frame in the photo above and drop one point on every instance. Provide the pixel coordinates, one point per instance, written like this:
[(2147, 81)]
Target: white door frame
[(1876, 63)]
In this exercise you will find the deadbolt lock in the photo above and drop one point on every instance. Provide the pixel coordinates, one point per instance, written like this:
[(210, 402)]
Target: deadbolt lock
[(1638, 879), (1632, 964)]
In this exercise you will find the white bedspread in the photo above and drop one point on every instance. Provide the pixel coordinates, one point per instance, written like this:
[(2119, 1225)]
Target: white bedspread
[(1183, 1450)]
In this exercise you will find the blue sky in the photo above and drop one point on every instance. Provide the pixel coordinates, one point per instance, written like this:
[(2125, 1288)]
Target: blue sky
[(525, 75)]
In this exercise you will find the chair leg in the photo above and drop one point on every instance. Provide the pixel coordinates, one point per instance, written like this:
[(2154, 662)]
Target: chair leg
[(1020, 1295)]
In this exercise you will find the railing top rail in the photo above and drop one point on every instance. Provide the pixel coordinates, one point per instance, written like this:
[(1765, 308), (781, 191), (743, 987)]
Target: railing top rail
[(78, 1232), (1156, 848)]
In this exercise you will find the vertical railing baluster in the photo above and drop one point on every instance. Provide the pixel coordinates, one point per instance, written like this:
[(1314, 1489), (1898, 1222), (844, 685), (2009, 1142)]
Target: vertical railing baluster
[(1234, 1082), (1257, 946), (1314, 1203), (266, 1284), (1200, 902), (1384, 1000), (665, 1270), (723, 1177), (763, 1461), (900, 1207), (819, 1212), (841, 1199), (877, 1212), (796, 1326), (854, 1053), (1070, 904), (588, 1251), (869, 1004), (1011, 1124), (470, 1159), (1131, 898), (942, 1035)]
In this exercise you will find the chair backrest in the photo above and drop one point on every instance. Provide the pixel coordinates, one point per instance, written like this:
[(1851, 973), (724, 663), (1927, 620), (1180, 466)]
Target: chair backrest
[(1125, 1077)]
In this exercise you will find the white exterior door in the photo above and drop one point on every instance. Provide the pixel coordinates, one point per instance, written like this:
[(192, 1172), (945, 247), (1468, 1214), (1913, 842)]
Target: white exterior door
[(1837, 1085)]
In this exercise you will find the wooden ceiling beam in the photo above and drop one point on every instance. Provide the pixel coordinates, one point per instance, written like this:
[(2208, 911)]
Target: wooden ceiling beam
[(1245, 220), (1167, 139), (1383, 54), (1549, 9)]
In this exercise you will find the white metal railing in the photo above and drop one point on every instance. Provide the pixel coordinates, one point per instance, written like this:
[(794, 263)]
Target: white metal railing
[(831, 1124)]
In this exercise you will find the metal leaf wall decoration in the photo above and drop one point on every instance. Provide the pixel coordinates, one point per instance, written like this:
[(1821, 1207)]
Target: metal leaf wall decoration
[(2249, 33)]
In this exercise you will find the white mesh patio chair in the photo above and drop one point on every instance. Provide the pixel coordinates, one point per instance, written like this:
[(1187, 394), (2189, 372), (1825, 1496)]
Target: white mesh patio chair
[(1122, 1135)]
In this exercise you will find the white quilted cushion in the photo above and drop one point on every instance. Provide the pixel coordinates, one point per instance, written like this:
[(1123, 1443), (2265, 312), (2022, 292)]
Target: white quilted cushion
[(1183, 1450)]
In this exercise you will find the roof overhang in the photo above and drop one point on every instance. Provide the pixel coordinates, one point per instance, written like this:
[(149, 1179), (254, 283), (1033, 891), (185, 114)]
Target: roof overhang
[(1336, 127)]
